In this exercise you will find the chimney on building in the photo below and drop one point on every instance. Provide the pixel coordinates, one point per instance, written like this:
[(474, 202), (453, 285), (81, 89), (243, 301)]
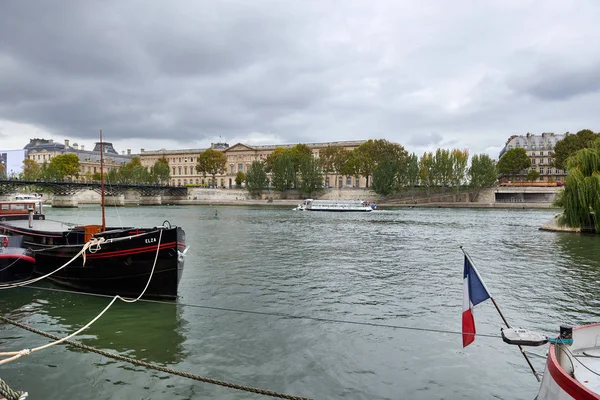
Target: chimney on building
[(75, 146), (128, 152), (141, 150), (122, 153), (66, 142), (82, 146)]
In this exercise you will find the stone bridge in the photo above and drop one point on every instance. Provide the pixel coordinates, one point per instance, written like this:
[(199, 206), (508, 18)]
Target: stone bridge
[(65, 193)]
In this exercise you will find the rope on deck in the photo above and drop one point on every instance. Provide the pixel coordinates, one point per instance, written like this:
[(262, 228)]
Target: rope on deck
[(93, 246), (10, 394), (157, 367)]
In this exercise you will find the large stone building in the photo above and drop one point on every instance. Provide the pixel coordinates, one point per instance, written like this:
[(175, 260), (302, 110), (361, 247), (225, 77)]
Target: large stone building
[(43, 150), (239, 158), (539, 148)]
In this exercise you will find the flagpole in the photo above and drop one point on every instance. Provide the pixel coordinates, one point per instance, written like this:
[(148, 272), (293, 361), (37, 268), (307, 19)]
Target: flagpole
[(500, 312)]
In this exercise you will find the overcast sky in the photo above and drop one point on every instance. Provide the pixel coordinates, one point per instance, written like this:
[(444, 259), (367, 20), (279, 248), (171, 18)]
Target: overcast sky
[(182, 74)]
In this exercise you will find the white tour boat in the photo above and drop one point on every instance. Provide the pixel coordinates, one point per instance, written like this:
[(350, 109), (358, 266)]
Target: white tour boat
[(335, 205)]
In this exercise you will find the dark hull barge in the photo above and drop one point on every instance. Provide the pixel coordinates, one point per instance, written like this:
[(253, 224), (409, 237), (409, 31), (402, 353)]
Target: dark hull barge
[(118, 260)]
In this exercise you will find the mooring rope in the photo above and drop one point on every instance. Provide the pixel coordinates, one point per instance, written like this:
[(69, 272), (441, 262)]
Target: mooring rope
[(10, 394), (14, 355), (281, 315), (154, 366), (92, 244)]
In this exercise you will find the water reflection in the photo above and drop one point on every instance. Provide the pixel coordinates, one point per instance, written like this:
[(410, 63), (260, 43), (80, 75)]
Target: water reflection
[(578, 276), (146, 331)]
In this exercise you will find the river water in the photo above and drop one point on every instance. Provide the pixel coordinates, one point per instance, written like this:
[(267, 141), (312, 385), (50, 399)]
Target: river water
[(399, 267)]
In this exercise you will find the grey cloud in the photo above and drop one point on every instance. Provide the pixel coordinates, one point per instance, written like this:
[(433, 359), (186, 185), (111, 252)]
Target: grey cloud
[(186, 71), (428, 139), (557, 81)]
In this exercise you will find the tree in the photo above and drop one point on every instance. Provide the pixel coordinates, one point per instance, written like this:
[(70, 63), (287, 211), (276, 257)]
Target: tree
[(482, 173), (2, 171), (442, 168), (409, 175), (459, 159), (532, 175), (283, 172), (31, 170), (270, 160), (132, 172), (384, 176), (239, 178), (64, 166), (570, 145), (160, 171), (312, 179), (211, 162), (513, 162), (580, 195), (256, 178), (426, 171), (371, 152), (328, 158), (351, 165)]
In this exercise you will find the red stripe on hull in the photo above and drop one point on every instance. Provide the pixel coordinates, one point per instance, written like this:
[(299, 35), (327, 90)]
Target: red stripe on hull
[(570, 385), (127, 252), (18, 257)]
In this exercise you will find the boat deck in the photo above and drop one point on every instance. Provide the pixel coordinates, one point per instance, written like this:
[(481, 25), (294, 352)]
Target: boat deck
[(587, 368), (40, 225)]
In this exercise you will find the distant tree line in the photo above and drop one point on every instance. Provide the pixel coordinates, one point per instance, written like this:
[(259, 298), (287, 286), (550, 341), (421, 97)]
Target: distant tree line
[(390, 166), (67, 167)]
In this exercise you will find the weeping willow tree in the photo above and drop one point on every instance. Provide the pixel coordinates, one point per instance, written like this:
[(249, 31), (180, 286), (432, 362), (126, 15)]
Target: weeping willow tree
[(581, 195)]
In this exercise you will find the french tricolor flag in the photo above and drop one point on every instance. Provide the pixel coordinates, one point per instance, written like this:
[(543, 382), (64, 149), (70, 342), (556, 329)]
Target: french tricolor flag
[(474, 293)]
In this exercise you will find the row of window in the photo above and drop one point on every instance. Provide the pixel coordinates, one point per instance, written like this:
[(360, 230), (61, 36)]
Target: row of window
[(550, 171), (532, 146), (209, 182)]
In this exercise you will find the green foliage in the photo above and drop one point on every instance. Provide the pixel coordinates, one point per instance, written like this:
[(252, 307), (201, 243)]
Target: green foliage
[(482, 173), (371, 152), (284, 175), (270, 160), (256, 178), (532, 175), (408, 175), (131, 173), (351, 165), (330, 159), (31, 170), (64, 166), (239, 178), (2, 171), (211, 162), (312, 179), (580, 196), (458, 159), (513, 162), (427, 171), (570, 145), (442, 167), (160, 171), (384, 176)]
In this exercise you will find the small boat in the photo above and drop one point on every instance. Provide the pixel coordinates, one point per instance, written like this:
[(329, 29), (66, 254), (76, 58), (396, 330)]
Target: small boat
[(335, 205), (28, 197), (16, 263), (21, 210), (573, 365)]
